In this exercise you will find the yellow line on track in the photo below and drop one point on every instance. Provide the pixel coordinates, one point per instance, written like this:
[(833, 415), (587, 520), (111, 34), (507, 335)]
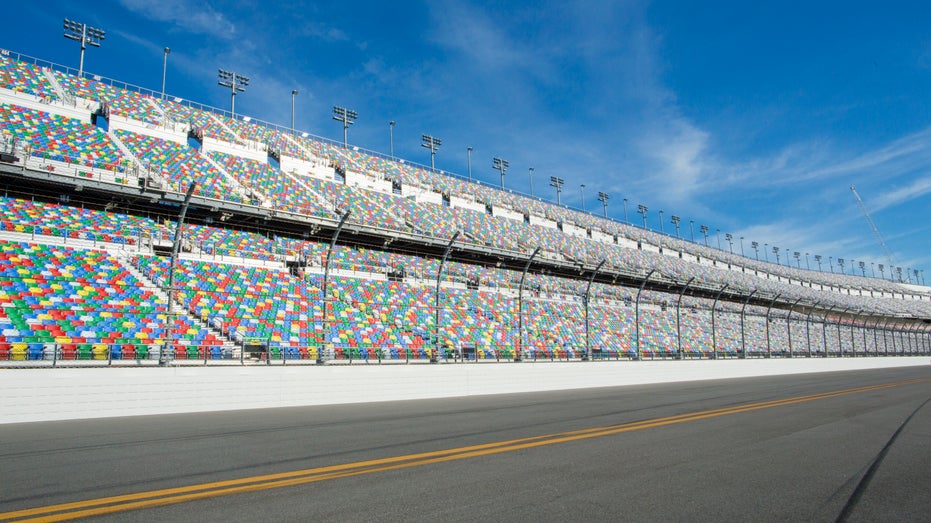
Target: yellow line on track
[(169, 496)]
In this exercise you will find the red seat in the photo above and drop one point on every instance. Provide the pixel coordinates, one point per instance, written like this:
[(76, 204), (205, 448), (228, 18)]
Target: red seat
[(69, 351)]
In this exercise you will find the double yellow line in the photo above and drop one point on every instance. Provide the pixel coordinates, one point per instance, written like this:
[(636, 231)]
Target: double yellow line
[(155, 498)]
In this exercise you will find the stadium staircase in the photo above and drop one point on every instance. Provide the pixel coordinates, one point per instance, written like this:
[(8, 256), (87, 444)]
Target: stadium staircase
[(63, 95), (228, 347), (241, 190)]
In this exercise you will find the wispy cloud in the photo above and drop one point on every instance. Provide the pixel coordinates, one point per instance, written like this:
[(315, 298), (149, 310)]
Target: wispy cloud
[(195, 17), (916, 189)]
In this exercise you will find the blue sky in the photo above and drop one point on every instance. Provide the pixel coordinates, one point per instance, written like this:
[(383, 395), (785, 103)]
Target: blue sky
[(752, 118)]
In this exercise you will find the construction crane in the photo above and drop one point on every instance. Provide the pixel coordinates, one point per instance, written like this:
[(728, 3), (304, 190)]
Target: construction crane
[(879, 237)]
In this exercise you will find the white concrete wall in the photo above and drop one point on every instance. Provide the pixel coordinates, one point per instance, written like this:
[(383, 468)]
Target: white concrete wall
[(69, 393)]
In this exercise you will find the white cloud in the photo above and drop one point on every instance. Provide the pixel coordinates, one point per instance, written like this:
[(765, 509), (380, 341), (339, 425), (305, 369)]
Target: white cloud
[(916, 189), (196, 17)]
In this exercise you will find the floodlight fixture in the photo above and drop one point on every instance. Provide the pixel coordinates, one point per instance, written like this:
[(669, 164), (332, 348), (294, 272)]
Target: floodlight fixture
[(603, 198), (675, 221), (756, 249), (502, 166), (642, 209), (776, 252), (433, 144), (704, 230), (348, 117), (236, 83), (730, 241), (86, 35), (557, 183)]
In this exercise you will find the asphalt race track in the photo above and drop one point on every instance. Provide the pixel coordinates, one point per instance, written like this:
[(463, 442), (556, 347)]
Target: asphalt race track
[(808, 447)]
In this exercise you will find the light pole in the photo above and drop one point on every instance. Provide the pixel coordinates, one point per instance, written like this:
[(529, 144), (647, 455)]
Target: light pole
[(818, 259), (625, 212), (236, 84), (165, 70), (642, 209), (557, 183), (531, 181), (469, 151), (765, 253), (391, 139), (348, 117), (730, 241), (692, 230), (704, 231), (661, 229), (432, 143), (742, 246), (718, 234), (675, 221), (776, 252), (807, 262), (798, 261), (293, 94), (86, 35), (603, 198), (502, 166), (582, 194), (756, 249)]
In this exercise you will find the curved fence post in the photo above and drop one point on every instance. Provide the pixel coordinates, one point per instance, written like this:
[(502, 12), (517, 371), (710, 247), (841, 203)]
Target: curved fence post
[(321, 357), (588, 290), (436, 302), (769, 309), (175, 247), (789, 324), (743, 335), (714, 337), (637, 310), (808, 326), (679, 317), (520, 305)]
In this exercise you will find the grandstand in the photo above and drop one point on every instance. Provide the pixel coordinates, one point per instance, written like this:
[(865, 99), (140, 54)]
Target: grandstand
[(426, 266)]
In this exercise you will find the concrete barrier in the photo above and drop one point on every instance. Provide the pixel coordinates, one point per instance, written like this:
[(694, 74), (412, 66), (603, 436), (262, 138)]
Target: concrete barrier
[(79, 393)]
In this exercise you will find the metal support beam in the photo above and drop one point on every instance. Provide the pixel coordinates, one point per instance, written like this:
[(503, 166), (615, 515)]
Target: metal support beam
[(436, 302)]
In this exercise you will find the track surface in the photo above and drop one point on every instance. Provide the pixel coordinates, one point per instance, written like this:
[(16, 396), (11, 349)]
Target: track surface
[(617, 453)]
